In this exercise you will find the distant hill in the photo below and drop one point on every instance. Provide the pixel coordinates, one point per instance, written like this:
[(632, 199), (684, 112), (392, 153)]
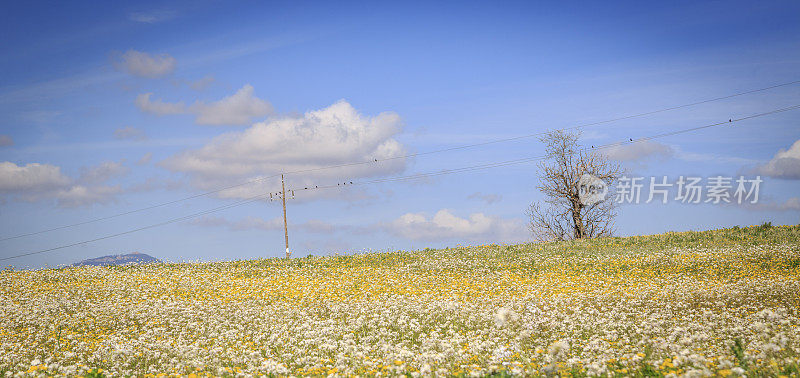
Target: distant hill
[(130, 258)]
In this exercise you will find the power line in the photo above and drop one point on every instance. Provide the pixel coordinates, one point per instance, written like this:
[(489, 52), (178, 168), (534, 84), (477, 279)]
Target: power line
[(542, 133), (535, 158), (137, 210), (374, 160), (195, 215), (416, 176)]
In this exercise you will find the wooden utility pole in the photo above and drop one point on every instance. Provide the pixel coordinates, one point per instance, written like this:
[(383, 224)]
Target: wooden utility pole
[(285, 224)]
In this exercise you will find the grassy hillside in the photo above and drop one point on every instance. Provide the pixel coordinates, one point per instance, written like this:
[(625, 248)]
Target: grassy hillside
[(723, 302)]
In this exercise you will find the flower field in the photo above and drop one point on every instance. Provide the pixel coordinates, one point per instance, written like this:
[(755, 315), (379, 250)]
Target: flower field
[(724, 303)]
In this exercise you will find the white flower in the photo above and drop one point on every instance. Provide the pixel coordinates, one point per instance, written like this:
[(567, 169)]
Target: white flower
[(425, 370), (558, 348), (504, 316)]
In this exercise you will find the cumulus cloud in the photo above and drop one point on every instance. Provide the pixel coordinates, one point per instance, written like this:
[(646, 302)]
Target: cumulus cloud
[(488, 198), (791, 204), (638, 151), (155, 183), (202, 84), (785, 164), (334, 135), (237, 109), (446, 225), (80, 195), (130, 133), (103, 172), (32, 177), (6, 140), (35, 182), (142, 64), (158, 107)]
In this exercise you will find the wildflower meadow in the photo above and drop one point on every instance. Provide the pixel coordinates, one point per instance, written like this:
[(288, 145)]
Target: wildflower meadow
[(716, 303)]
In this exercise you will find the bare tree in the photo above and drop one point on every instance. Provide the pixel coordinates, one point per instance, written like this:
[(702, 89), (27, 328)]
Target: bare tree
[(574, 181)]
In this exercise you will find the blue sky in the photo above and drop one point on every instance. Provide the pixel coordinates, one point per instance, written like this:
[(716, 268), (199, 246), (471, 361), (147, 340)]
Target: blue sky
[(107, 108)]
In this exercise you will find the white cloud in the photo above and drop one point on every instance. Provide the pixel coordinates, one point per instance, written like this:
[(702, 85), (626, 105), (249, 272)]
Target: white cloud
[(445, 225), (146, 158), (201, 84), (785, 164), (142, 64), (253, 223), (32, 177), (80, 195), (92, 78), (488, 198), (334, 135), (638, 151), (152, 17), (35, 182), (237, 109), (791, 204), (593, 135), (709, 157), (210, 221), (155, 183), (130, 132), (158, 107), (6, 140), (320, 227), (103, 172)]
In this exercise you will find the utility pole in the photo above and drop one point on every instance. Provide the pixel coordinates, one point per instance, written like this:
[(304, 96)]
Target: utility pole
[(285, 224)]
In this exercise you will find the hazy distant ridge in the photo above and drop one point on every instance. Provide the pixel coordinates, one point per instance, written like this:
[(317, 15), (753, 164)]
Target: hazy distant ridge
[(130, 258)]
